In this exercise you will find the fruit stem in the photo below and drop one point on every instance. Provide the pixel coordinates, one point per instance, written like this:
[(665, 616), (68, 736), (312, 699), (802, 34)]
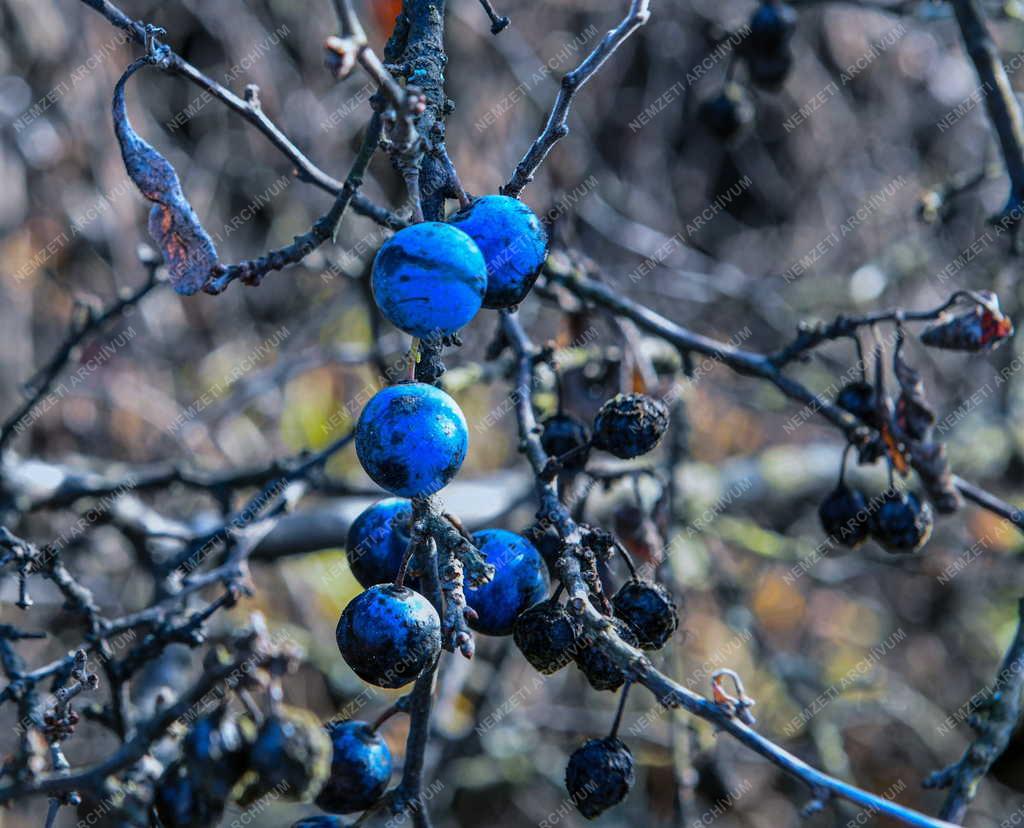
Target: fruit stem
[(400, 706), (842, 465), (628, 559), (622, 706)]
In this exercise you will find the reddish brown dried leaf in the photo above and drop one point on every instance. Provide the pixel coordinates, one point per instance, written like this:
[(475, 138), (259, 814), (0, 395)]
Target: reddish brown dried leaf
[(188, 249)]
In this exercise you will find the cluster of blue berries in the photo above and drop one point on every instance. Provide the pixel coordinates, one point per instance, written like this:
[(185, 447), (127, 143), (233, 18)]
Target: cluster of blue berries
[(430, 280)]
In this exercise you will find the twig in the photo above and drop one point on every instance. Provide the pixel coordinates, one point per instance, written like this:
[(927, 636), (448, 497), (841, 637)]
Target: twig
[(557, 125), (1000, 711), (80, 330), (251, 271), (133, 750), (763, 366), (632, 661), (253, 113), (1001, 103)]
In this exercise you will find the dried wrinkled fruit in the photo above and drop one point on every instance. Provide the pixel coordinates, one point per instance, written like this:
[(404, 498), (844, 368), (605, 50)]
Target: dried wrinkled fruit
[(188, 249), (650, 611), (600, 669), (981, 328), (546, 634), (629, 425), (599, 775)]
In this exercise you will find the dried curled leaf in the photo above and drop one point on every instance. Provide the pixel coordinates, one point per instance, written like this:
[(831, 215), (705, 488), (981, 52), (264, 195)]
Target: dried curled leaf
[(981, 328), (187, 248), (933, 469), (914, 416)]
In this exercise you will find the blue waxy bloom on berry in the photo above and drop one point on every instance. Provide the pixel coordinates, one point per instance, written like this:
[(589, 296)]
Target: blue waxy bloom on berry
[(520, 581), (389, 634), (513, 242), (429, 279), (377, 541), (360, 769), (411, 439)]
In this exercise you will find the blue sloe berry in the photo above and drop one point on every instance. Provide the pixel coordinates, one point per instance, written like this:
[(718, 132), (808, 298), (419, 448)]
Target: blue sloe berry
[(389, 634), (513, 242), (411, 439), (429, 279), (360, 768), (378, 540), (520, 581)]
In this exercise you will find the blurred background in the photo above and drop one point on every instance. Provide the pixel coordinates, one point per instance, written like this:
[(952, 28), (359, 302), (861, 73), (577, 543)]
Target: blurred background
[(842, 195)]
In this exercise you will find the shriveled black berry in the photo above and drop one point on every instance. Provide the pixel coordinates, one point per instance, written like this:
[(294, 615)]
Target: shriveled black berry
[(563, 434), (649, 611), (546, 634), (599, 775), (902, 523), (727, 114), (859, 399), (600, 670), (845, 516), (629, 425)]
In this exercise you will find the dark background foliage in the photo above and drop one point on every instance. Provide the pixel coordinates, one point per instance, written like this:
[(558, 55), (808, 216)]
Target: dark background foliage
[(255, 374)]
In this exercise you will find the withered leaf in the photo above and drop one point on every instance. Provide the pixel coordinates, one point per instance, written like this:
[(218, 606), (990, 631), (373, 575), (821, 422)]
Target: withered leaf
[(982, 328), (933, 469), (187, 248), (914, 416)]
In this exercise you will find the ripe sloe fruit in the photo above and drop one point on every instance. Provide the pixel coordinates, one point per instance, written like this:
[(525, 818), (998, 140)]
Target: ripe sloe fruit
[(727, 114), (846, 516), (771, 26), (389, 634), (902, 523), (429, 279), (563, 434), (360, 768), (520, 581), (377, 541), (513, 242), (181, 802), (411, 439)]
